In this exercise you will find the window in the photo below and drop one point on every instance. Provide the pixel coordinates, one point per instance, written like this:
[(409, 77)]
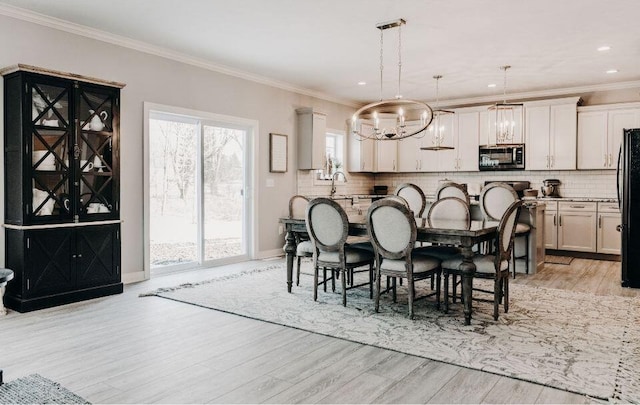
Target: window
[(334, 154)]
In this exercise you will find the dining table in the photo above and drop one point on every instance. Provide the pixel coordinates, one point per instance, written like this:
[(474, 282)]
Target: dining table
[(450, 232)]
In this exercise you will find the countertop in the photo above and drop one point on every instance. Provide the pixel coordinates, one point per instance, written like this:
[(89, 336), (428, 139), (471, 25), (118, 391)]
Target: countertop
[(569, 199)]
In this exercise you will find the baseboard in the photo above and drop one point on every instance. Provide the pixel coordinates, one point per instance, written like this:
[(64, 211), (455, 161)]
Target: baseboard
[(584, 255), (268, 254)]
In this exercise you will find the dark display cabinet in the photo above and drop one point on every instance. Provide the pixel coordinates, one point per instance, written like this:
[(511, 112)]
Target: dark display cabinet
[(62, 191)]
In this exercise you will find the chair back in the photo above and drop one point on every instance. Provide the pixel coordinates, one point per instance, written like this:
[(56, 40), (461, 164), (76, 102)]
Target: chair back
[(392, 229), (298, 207), (506, 232), (327, 224), (452, 189), (495, 199), (448, 208), (398, 199), (414, 196)]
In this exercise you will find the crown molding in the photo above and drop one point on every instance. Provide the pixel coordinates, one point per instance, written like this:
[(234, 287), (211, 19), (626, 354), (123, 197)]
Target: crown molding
[(82, 30), (567, 91)]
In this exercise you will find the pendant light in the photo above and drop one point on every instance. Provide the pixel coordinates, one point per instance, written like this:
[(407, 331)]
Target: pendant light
[(438, 127), (391, 119), (506, 117)]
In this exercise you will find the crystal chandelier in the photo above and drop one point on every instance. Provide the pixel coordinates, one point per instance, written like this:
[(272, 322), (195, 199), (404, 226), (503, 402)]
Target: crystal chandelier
[(438, 128), (395, 118), (507, 120)]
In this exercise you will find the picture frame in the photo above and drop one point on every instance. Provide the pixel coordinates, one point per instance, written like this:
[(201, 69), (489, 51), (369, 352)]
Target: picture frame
[(278, 153)]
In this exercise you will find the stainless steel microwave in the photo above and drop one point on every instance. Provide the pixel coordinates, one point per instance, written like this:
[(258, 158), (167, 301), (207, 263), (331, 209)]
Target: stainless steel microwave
[(501, 157)]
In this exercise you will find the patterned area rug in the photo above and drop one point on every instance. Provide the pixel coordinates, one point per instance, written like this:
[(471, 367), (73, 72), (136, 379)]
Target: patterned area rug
[(578, 342), (35, 389), (558, 259)]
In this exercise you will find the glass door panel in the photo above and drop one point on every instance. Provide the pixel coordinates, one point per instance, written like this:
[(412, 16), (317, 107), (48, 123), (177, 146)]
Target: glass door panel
[(173, 151), (223, 186), (50, 135)]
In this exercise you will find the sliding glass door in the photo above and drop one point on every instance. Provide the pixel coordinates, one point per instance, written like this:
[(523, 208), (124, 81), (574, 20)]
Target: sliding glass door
[(198, 181)]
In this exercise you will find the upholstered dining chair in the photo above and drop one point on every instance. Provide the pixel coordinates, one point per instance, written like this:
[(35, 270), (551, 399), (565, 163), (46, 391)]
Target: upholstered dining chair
[(304, 248), (328, 227), (414, 196), (495, 198), (451, 189), (392, 229), (491, 266)]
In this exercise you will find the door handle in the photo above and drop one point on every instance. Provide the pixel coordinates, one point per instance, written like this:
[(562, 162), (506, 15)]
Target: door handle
[(600, 221), (554, 220), (551, 159), (559, 220), (606, 160), (610, 159)]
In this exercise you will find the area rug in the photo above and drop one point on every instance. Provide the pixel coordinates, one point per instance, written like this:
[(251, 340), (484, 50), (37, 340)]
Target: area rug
[(35, 389), (578, 342), (558, 259)]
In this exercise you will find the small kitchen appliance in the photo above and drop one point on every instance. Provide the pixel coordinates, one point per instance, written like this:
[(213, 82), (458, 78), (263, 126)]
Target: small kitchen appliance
[(549, 188)]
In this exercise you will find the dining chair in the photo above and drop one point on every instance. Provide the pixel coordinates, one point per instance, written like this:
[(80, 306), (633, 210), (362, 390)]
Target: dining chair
[(328, 227), (451, 189), (393, 232), (495, 198), (414, 196), (304, 247), (490, 266)]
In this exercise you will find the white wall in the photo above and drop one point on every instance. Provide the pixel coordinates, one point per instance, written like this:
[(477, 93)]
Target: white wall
[(163, 81)]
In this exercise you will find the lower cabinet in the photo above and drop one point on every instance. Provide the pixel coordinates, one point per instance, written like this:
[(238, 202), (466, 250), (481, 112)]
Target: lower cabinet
[(577, 226), (551, 225), (60, 265), (609, 238)]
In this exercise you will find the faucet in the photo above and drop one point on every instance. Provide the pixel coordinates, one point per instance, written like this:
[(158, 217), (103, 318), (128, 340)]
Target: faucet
[(333, 181)]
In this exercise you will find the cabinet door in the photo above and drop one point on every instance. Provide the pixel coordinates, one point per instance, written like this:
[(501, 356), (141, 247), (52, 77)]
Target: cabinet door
[(97, 255), (577, 231), (592, 140), (361, 151), (618, 121), (551, 230), (537, 126), (49, 269), (95, 162), (386, 156), (49, 130), (467, 141), (409, 154), (563, 137), (609, 239)]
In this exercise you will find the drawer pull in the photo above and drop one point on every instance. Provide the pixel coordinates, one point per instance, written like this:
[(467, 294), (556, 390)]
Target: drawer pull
[(600, 221), (577, 206)]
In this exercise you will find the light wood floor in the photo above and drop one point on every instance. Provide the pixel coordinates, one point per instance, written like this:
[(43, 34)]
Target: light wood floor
[(126, 349)]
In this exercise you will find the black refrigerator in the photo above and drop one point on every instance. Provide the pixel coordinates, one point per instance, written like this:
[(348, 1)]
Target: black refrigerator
[(628, 182)]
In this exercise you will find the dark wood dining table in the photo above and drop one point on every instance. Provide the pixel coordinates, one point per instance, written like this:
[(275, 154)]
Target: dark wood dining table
[(451, 232)]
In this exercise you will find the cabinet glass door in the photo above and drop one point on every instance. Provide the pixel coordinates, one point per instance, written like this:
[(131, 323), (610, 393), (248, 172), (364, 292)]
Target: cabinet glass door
[(93, 157), (50, 129)]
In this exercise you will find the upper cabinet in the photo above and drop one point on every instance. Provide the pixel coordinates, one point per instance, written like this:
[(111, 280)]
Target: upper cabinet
[(312, 132), (61, 150), (361, 151), (600, 131), (551, 134)]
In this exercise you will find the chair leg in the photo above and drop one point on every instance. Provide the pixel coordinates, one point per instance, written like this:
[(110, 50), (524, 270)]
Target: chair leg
[(298, 273), (378, 281), (526, 253), (315, 282), (344, 288), (393, 289), (454, 289), (506, 295), (411, 292), (496, 297), (432, 282), (324, 278), (513, 260), (334, 274), (438, 277), (371, 281)]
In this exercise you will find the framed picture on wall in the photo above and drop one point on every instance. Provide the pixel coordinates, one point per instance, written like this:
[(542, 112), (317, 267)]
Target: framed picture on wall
[(278, 144)]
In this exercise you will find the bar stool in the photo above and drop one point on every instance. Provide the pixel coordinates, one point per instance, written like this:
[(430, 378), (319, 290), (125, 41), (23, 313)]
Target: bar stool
[(6, 275)]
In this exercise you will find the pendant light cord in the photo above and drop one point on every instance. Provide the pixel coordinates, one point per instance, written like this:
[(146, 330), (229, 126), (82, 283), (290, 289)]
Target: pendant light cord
[(399, 95)]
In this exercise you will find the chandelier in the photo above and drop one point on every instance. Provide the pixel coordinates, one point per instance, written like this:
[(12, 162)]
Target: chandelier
[(507, 120), (391, 119), (438, 128)]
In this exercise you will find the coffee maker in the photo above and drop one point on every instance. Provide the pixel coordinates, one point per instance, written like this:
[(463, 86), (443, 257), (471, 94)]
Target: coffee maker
[(549, 188)]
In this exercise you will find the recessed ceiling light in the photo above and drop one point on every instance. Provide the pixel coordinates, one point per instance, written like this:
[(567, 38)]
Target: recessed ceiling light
[(610, 71), (604, 48), (362, 83), (491, 85)]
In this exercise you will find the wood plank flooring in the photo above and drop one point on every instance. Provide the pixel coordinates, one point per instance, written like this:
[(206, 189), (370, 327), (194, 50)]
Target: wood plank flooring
[(126, 349)]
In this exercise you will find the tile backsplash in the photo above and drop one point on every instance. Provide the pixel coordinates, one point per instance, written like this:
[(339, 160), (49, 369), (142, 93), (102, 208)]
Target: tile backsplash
[(574, 183)]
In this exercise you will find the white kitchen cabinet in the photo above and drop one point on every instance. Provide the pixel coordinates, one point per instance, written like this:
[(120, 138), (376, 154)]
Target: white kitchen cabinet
[(577, 226), (551, 225), (600, 133), (467, 141), (361, 152), (609, 239), (386, 156), (410, 155), (551, 134), (311, 140)]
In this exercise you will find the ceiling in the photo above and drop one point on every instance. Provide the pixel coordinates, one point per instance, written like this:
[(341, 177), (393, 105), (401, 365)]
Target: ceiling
[(326, 47)]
